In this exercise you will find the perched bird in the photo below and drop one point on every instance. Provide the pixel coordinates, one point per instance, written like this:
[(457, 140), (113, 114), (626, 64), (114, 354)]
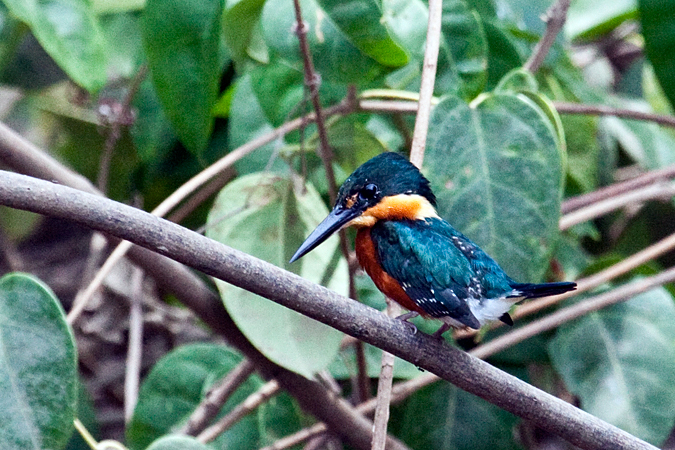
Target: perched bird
[(414, 256)]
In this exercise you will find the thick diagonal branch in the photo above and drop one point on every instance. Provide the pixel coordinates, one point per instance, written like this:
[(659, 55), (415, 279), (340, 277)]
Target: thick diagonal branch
[(294, 292)]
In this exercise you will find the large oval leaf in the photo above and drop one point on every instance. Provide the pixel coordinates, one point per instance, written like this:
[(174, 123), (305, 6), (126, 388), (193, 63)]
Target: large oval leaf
[(442, 417), (70, 33), (177, 384), (181, 39), (621, 363), (38, 367), (496, 168), (248, 121), (265, 216)]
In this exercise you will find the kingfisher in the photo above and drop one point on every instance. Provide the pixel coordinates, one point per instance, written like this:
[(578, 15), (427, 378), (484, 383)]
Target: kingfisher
[(414, 256)]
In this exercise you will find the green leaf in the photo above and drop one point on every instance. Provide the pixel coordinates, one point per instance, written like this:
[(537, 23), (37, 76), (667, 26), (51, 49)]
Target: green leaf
[(151, 132), (658, 22), (583, 150), (125, 49), (87, 415), (352, 143), (335, 57), (38, 366), (12, 32), (108, 7), (182, 40), (177, 384), (248, 121), (521, 81), (177, 443), (266, 216), (503, 55), (466, 42), (620, 361), (279, 89), (593, 18), (517, 80), (70, 34), (441, 417), (278, 417), (407, 21), (239, 20), (361, 22), (525, 16), (496, 169)]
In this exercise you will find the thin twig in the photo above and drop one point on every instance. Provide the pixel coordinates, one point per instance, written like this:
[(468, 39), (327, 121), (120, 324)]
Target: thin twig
[(427, 84), (555, 19), (384, 389), (118, 116), (602, 110), (657, 191), (85, 434), (615, 189), (216, 398), (254, 400), (132, 374), (209, 189), (313, 81)]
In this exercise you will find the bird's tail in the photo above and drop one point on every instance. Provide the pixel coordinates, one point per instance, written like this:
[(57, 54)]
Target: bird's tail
[(531, 290)]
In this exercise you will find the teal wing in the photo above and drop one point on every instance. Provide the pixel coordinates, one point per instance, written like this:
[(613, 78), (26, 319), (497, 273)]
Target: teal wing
[(493, 282), (432, 271)]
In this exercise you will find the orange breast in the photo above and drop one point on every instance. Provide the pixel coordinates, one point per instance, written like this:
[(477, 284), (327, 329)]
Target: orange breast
[(367, 256)]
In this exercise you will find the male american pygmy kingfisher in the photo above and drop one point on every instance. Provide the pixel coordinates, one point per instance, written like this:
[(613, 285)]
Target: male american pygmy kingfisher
[(414, 256)]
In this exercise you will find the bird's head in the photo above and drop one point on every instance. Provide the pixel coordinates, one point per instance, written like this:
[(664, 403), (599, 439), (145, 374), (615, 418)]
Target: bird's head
[(386, 187)]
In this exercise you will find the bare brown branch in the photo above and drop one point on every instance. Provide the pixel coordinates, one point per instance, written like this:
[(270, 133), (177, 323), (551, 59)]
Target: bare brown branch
[(254, 400), (555, 20), (216, 398), (602, 110)]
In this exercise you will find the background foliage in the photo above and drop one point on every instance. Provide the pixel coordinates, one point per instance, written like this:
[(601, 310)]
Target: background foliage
[(142, 95)]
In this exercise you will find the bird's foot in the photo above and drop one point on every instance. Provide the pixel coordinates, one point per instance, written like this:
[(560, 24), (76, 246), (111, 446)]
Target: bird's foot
[(439, 333), (407, 316)]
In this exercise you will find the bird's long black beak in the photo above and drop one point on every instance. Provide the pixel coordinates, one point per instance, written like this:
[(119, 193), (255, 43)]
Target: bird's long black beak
[(335, 220)]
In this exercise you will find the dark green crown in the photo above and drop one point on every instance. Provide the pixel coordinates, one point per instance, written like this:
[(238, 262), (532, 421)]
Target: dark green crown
[(392, 174)]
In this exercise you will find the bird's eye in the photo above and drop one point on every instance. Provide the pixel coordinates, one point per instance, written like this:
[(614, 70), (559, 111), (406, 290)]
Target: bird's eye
[(368, 192)]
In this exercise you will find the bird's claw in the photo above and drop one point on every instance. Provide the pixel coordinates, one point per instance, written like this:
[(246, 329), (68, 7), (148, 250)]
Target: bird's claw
[(407, 316)]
